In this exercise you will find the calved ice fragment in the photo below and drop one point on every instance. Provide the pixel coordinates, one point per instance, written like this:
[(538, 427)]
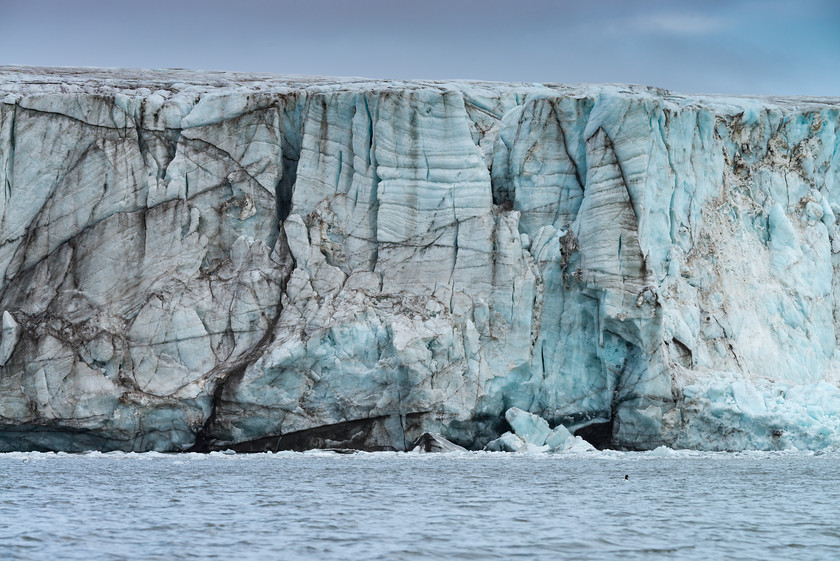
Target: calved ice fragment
[(533, 435), (507, 442), (527, 426), (561, 440), (434, 443), (559, 437)]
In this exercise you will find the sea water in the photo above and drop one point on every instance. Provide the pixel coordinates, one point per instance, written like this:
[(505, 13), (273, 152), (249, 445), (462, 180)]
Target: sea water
[(322, 505)]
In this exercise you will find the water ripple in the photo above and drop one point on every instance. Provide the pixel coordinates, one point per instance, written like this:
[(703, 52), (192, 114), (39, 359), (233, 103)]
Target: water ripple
[(408, 507)]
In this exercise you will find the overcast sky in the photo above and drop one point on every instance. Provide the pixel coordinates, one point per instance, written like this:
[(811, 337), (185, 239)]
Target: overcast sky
[(716, 46)]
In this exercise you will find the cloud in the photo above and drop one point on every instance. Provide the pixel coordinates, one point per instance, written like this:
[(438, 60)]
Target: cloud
[(688, 23), (681, 24)]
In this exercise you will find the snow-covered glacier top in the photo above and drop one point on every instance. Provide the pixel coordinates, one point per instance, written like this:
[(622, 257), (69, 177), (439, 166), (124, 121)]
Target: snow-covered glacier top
[(203, 260), (174, 83)]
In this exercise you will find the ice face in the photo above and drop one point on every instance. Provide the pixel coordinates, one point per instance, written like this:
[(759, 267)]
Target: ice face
[(216, 260)]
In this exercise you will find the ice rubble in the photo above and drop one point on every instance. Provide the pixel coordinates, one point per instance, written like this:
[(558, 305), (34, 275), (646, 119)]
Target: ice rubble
[(533, 435), (216, 260)]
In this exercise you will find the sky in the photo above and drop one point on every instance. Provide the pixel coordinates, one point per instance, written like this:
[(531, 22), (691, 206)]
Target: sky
[(744, 47)]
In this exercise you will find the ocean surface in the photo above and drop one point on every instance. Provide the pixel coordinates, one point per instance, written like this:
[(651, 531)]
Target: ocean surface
[(322, 505)]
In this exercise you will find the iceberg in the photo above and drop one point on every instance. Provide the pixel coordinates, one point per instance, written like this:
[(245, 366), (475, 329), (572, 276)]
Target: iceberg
[(508, 442), (532, 435), (211, 261), (527, 426), (430, 443)]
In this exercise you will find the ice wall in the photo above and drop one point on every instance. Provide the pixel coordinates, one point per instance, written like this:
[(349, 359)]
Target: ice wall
[(213, 260)]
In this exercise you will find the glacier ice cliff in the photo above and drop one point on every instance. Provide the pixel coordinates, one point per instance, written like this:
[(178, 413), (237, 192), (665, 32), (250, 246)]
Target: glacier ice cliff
[(216, 260)]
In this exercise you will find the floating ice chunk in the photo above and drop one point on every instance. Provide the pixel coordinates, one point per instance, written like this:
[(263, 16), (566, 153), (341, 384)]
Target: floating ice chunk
[(431, 442), (529, 448), (508, 442), (559, 438), (577, 444), (529, 427), (660, 452)]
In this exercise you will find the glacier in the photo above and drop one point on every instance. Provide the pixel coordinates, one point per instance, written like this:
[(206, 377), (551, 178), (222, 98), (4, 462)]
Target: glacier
[(212, 260)]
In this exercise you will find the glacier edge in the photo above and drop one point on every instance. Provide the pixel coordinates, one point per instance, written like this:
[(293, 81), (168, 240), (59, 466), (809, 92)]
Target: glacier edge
[(218, 260)]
